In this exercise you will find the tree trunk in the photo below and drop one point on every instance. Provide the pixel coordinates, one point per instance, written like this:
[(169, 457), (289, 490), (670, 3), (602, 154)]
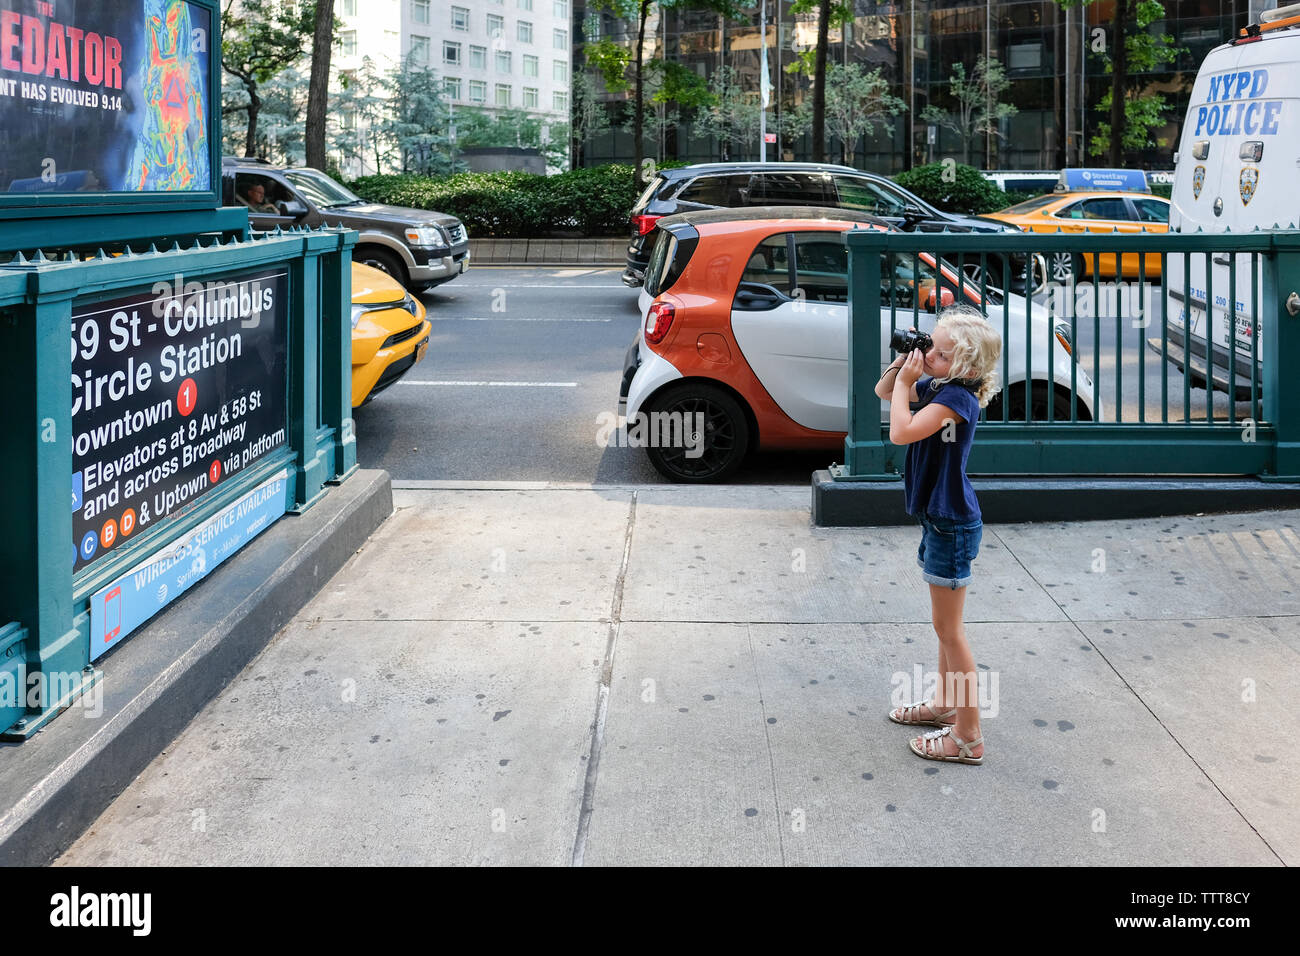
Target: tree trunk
[(639, 114), (1118, 78), (254, 107), (819, 82), (318, 87)]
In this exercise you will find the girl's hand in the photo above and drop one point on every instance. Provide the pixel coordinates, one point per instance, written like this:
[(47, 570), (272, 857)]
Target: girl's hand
[(911, 369)]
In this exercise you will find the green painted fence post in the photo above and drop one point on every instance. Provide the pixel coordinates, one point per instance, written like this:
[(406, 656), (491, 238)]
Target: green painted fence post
[(867, 453), (1282, 342), (336, 348), (35, 431)]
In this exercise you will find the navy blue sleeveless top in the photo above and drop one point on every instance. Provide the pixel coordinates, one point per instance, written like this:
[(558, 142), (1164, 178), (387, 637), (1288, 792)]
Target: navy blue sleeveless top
[(934, 472)]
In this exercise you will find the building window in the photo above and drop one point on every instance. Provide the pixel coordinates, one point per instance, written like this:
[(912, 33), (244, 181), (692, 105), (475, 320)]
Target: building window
[(347, 43), (525, 32), (459, 17), (348, 8), (477, 91), (503, 94), (530, 65), (560, 71), (349, 119), (561, 101), (420, 51), (503, 61), (478, 57), (525, 4), (562, 9), (561, 38), (496, 25), (451, 87), (530, 96)]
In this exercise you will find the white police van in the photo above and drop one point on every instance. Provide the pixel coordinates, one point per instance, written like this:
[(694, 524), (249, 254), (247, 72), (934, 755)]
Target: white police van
[(1235, 169)]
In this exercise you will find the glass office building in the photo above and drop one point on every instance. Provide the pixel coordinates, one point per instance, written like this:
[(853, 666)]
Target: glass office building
[(1054, 58)]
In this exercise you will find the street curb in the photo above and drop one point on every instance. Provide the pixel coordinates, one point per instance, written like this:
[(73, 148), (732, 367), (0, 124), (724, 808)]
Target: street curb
[(55, 785), (848, 504), (591, 253)]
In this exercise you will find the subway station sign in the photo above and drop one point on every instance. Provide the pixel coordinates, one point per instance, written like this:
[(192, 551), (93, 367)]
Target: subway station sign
[(174, 390), (105, 96)]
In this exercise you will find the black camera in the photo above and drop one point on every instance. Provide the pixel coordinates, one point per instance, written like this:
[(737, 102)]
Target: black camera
[(906, 340)]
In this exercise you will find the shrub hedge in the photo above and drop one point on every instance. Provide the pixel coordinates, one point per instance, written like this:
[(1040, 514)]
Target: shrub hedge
[(966, 191), (591, 201)]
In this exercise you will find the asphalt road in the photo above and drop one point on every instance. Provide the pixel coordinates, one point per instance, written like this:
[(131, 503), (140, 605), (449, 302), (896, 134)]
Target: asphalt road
[(557, 337), (523, 370)]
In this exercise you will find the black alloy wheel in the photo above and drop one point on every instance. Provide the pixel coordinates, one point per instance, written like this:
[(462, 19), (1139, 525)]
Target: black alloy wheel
[(690, 457), (1015, 395)]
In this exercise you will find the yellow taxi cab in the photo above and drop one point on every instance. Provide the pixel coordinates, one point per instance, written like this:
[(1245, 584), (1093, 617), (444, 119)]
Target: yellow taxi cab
[(390, 332), (1092, 211)]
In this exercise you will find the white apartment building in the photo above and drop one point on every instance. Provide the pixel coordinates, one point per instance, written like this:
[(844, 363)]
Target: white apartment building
[(490, 54)]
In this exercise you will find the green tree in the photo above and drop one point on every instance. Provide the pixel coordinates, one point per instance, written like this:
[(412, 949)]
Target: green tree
[(733, 115), (813, 62), (259, 38), (587, 115), (1133, 111), (855, 101), (419, 120), (359, 110), (976, 98), (601, 53)]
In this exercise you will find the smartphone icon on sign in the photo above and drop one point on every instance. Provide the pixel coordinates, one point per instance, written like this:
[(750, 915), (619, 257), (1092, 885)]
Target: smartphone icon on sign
[(112, 614)]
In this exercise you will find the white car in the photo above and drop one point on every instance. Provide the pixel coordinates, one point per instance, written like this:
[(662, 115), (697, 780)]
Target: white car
[(745, 320)]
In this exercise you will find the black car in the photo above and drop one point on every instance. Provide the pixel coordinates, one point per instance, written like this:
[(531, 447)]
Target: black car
[(726, 185), (417, 247)]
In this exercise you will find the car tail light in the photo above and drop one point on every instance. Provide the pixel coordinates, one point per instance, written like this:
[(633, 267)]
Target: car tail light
[(658, 321), (644, 223)]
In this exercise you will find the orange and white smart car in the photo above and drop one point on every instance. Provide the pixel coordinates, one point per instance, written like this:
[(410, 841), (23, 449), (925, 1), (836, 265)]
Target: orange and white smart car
[(744, 342)]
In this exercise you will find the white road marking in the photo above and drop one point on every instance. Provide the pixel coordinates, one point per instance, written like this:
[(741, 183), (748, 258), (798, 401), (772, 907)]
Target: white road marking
[(407, 381), (508, 318)]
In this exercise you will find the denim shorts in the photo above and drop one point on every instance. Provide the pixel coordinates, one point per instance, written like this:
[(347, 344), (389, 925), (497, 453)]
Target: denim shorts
[(947, 549)]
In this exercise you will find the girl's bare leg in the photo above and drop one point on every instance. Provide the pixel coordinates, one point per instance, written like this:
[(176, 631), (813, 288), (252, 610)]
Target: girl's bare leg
[(957, 673)]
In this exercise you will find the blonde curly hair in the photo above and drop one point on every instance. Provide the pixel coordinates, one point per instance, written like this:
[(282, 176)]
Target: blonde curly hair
[(977, 346)]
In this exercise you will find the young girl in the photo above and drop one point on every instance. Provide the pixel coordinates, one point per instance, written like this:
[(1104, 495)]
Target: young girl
[(935, 417)]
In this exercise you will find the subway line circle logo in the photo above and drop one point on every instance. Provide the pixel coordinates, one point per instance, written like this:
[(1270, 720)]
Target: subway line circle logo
[(89, 545), (1247, 182), (1198, 181), (187, 396), (214, 471)]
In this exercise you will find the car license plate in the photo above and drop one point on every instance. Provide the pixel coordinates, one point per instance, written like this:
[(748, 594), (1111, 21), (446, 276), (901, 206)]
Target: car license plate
[(421, 349)]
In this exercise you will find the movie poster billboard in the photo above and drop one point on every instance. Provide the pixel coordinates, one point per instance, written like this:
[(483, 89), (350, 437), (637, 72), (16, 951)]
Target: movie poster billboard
[(106, 96), (175, 390)]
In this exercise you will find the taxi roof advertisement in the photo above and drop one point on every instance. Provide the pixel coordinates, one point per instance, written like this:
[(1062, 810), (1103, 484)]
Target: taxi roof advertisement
[(108, 102)]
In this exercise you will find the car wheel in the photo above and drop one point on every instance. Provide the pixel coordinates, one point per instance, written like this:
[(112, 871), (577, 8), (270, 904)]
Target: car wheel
[(383, 260), (1063, 266), (696, 458), (1015, 395)]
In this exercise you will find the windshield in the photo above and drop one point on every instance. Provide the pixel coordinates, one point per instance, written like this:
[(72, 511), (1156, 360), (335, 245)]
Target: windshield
[(319, 189), (1032, 204)]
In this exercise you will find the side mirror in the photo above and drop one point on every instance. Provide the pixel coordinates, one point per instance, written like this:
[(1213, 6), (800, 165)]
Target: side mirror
[(293, 207), (946, 298), (912, 213)]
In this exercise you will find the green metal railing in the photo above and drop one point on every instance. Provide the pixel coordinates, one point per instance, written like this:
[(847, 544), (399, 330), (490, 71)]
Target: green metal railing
[(45, 600), (1116, 402)]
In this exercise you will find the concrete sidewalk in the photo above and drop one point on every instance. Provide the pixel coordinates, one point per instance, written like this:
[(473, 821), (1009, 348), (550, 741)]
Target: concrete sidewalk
[(674, 675)]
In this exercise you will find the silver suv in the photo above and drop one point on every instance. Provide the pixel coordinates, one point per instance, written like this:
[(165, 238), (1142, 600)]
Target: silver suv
[(417, 247)]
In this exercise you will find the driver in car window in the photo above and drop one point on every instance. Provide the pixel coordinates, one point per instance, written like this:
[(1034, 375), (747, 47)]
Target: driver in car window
[(254, 198)]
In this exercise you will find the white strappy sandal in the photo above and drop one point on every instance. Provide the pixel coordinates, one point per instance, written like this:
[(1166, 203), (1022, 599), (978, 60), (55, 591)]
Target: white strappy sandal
[(938, 720), (932, 747)]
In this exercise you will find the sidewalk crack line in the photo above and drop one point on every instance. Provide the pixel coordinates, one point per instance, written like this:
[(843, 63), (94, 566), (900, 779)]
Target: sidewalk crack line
[(602, 693)]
